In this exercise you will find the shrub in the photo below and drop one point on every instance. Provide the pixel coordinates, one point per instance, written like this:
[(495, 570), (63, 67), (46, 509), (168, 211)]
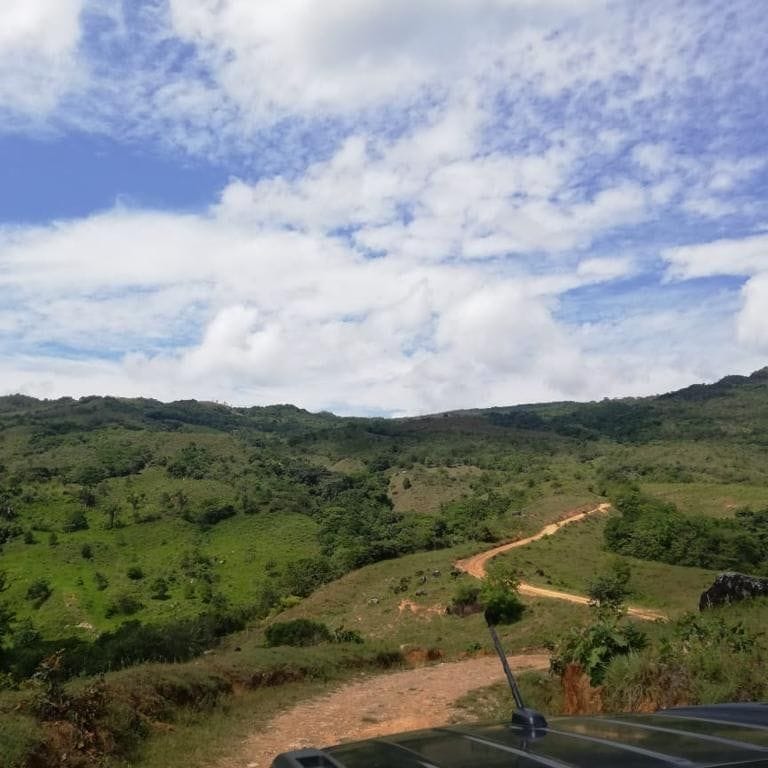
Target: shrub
[(341, 635), (158, 589), (297, 632), (610, 590), (86, 552), (38, 592), (595, 646), (502, 606), (214, 511), (102, 582), (124, 604), (135, 573), (75, 520)]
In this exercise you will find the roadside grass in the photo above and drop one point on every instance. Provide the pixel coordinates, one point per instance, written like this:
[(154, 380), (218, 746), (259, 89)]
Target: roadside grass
[(711, 499), (203, 739), (575, 554), (142, 715), (494, 703)]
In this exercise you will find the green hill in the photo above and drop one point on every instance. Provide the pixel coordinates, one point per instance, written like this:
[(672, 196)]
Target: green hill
[(115, 510)]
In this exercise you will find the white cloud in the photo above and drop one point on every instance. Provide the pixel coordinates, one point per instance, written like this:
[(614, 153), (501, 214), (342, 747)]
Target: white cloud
[(727, 256), (752, 321), (296, 55), (38, 43)]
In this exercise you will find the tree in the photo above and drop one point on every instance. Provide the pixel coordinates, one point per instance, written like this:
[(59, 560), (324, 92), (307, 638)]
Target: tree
[(6, 615), (87, 496), (38, 592), (609, 590), (136, 502), (113, 515), (75, 520), (499, 595)]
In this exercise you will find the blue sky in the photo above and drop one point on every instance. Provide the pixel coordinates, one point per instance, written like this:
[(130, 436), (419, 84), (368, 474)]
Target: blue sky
[(381, 206)]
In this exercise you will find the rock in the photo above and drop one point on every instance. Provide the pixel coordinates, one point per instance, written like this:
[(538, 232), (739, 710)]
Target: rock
[(731, 587)]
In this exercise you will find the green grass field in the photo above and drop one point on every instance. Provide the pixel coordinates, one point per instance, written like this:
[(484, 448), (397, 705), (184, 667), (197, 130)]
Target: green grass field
[(568, 559)]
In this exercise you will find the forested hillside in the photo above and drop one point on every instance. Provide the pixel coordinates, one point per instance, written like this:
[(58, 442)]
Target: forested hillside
[(136, 531), (116, 510)]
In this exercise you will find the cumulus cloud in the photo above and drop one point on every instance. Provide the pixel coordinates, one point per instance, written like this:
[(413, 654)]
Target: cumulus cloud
[(726, 256), (38, 43), (292, 55), (418, 192)]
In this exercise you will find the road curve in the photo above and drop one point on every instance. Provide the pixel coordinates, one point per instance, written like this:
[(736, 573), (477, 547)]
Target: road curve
[(476, 565)]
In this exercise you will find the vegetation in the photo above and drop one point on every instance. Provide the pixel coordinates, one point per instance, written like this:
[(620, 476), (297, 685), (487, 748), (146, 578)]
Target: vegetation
[(652, 529), (133, 531)]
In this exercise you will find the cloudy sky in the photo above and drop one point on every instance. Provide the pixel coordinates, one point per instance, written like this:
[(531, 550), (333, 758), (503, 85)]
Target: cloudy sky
[(381, 206)]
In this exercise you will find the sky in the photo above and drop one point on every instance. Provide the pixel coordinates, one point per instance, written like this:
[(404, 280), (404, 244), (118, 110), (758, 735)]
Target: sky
[(381, 207)]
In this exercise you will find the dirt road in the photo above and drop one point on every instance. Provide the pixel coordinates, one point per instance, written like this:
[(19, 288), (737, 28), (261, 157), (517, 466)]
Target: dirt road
[(400, 701), (476, 565)]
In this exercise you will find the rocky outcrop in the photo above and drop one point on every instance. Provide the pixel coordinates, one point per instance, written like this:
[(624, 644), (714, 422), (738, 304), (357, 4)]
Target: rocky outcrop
[(732, 587)]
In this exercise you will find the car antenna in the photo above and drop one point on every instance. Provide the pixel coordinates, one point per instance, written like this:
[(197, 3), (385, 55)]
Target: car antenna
[(529, 719)]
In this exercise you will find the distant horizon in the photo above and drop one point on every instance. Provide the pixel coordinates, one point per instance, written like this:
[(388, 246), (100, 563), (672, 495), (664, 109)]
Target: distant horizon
[(203, 401)]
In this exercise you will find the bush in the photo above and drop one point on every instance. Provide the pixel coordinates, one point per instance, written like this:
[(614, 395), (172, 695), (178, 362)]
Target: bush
[(38, 592), (86, 552), (158, 589), (594, 647), (610, 590), (502, 606), (101, 581), (124, 604), (298, 632), (75, 520), (341, 635), (214, 511), (135, 573)]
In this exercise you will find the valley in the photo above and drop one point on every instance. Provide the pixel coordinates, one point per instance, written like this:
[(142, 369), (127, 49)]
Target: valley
[(140, 536)]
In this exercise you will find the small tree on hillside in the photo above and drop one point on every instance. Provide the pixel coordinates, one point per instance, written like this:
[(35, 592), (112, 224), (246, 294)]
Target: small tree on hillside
[(609, 590), (6, 615)]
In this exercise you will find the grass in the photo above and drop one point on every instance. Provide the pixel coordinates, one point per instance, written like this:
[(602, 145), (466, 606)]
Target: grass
[(430, 487), (494, 703), (144, 714), (711, 499), (202, 739), (240, 549), (575, 554)]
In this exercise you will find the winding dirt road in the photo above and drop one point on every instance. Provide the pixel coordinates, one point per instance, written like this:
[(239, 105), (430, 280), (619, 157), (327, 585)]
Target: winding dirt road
[(476, 565), (399, 701), (411, 699)]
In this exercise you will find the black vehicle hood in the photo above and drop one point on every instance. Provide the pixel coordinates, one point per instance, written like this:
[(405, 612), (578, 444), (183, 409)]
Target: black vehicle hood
[(691, 737)]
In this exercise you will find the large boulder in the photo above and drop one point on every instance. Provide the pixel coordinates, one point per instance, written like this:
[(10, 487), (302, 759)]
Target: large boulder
[(732, 587)]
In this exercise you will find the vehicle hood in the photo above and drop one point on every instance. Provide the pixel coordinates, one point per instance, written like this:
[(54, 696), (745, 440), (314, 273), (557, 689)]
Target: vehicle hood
[(719, 735)]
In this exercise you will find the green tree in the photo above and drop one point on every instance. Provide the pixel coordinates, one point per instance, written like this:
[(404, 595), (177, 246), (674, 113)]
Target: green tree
[(6, 615), (75, 520), (609, 590), (38, 592)]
